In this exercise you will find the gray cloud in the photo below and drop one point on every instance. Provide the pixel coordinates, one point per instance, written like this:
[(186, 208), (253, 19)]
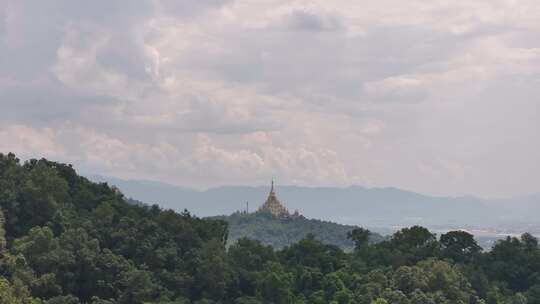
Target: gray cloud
[(439, 98), (307, 21), (188, 9)]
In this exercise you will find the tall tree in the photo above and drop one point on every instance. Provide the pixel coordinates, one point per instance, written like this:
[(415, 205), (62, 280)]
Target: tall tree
[(360, 237), (3, 242), (459, 246)]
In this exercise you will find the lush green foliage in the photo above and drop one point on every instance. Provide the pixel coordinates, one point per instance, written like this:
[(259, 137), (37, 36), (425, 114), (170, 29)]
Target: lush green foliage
[(66, 240), (279, 232)]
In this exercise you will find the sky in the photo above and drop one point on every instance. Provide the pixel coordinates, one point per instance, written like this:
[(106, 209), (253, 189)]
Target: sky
[(439, 97)]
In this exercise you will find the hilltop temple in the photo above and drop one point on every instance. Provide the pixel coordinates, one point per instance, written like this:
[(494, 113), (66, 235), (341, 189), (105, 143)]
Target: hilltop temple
[(274, 205)]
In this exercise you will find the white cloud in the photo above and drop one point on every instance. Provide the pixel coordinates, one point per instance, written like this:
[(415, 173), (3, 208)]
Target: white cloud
[(430, 96), (28, 142)]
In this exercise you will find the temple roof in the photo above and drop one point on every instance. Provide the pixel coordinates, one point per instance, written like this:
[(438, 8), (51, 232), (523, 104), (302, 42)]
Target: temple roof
[(273, 205)]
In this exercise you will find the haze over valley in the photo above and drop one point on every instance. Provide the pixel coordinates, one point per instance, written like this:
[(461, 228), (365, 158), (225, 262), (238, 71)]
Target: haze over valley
[(381, 209)]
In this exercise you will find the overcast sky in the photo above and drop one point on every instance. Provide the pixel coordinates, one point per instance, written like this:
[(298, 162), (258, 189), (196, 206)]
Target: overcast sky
[(440, 97)]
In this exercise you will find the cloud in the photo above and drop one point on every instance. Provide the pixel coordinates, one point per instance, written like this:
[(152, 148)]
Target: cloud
[(27, 141), (186, 8), (302, 20), (438, 97)]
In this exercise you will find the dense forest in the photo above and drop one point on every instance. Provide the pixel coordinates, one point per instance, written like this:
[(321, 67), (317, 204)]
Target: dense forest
[(64, 239), (279, 232)]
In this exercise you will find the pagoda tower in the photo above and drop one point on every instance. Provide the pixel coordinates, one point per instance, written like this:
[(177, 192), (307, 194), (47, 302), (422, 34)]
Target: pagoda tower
[(273, 205)]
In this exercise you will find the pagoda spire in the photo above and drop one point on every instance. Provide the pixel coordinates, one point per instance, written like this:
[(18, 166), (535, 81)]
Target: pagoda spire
[(273, 205)]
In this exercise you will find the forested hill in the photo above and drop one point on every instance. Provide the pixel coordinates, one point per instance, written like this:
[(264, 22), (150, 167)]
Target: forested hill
[(66, 240), (279, 232)]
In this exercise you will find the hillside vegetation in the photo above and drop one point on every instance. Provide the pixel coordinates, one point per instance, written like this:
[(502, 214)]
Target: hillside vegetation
[(66, 240), (279, 232)]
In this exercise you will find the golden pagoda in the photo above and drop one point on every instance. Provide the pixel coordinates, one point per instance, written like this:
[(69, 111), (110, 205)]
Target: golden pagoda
[(273, 205)]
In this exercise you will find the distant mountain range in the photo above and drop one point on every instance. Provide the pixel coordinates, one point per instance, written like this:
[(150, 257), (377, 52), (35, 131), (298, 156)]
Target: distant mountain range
[(356, 205)]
